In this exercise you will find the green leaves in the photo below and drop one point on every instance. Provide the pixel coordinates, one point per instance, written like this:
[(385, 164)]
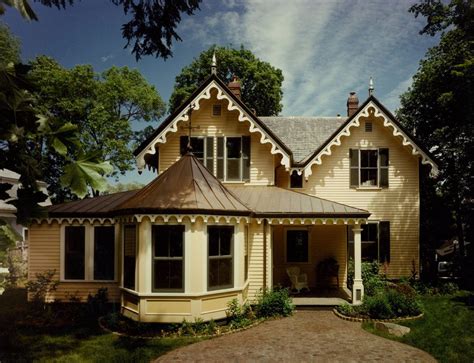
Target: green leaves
[(86, 171)]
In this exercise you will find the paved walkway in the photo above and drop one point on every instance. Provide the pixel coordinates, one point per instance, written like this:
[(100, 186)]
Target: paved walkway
[(307, 336)]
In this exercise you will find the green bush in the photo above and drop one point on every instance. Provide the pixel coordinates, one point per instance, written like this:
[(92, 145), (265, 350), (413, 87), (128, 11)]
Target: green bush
[(238, 315), (448, 288), (377, 306), (276, 302), (402, 302), (346, 309), (371, 278)]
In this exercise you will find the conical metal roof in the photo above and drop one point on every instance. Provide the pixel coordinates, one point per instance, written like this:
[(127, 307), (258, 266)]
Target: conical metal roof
[(186, 187)]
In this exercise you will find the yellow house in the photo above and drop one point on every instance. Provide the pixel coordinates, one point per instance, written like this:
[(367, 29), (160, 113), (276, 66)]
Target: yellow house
[(242, 202)]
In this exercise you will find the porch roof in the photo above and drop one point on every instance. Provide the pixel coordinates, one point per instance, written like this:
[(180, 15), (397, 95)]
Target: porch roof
[(271, 201)]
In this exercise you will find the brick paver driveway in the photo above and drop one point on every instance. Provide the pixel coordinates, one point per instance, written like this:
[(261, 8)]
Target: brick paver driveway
[(306, 336)]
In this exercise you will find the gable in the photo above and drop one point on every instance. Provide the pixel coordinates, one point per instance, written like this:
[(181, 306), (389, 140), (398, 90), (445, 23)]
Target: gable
[(373, 111), (213, 84)]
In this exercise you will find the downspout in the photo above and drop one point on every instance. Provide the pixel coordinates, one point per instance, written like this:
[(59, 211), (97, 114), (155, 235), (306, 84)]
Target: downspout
[(265, 253)]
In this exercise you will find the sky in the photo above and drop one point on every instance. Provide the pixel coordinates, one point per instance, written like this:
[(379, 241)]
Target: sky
[(325, 48)]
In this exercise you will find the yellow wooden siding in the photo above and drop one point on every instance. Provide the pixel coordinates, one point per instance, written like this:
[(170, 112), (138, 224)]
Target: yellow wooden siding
[(398, 204), (205, 124), (44, 254), (255, 277), (324, 242)]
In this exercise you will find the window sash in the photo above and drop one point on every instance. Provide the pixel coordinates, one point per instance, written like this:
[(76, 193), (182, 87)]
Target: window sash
[(223, 276), (129, 256), (367, 243), (75, 253), (104, 253), (364, 169), (301, 256)]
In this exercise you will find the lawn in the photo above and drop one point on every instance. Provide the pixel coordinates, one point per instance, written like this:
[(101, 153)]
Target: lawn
[(447, 329), (84, 342)]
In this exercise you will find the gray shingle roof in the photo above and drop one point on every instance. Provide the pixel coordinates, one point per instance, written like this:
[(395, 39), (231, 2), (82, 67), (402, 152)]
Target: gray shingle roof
[(303, 135)]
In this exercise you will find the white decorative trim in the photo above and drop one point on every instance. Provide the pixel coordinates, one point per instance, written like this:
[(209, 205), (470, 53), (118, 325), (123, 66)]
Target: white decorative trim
[(387, 122), (78, 220), (231, 106)]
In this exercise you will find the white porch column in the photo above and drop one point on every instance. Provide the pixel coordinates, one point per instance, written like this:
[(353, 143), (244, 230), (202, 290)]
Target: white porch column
[(358, 287), (144, 256)]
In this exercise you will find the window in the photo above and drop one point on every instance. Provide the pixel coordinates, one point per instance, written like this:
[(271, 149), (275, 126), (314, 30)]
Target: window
[(104, 253), (74, 253), (203, 149), (168, 258), (216, 110), (368, 126), (375, 241), (369, 168), (129, 255), (220, 260), (297, 246), (296, 181), (233, 158)]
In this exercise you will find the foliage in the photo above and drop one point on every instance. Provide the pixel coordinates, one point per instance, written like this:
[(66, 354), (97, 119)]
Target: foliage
[(122, 187), (152, 29), (8, 238), (41, 286), (276, 302), (97, 303), (371, 277), (260, 81), (439, 108), (102, 108), (28, 137), (377, 306), (9, 46), (239, 316), (347, 309), (446, 329)]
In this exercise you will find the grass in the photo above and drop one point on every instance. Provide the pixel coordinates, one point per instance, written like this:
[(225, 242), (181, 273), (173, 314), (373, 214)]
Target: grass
[(447, 329), (84, 342)]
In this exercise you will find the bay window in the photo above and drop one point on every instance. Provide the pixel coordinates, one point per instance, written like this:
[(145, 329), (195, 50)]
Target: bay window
[(220, 257)]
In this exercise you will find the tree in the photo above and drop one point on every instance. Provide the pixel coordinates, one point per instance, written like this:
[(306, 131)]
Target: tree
[(102, 108), (9, 47), (261, 82), (152, 29), (26, 136), (439, 107)]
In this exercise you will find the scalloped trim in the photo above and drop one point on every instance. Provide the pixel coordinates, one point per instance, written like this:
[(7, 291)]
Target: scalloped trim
[(387, 122), (231, 106)]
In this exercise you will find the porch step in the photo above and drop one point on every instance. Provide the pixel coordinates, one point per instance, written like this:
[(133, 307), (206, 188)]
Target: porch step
[(318, 301)]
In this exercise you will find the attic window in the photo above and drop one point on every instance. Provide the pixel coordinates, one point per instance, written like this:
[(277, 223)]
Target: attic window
[(296, 181), (216, 110), (368, 127)]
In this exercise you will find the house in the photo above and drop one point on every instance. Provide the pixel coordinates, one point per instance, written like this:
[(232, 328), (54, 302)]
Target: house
[(256, 196)]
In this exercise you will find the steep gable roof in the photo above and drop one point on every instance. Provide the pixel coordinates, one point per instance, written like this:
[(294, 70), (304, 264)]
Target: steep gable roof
[(303, 135), (234, 103)]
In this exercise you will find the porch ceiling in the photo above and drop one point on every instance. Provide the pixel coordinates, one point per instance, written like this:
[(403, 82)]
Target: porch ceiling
[(277, 202)]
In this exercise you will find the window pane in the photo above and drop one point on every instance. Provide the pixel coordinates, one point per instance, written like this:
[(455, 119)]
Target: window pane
[(369, 251), (368, 177), (176, 241), (197, 143), (213, 241), (129, 240), (104, 253), (296, 181), (74, 246), (225, 271), (213, 272), (297, 246), (233, 147), (368, 158), (233, 169), (168, 274), (161, 240), (226, 242)]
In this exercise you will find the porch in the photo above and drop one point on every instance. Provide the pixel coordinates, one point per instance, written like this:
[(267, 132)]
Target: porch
[(322, 297)]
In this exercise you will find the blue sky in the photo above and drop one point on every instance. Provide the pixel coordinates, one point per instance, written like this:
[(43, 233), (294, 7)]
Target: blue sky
[(325, 48)]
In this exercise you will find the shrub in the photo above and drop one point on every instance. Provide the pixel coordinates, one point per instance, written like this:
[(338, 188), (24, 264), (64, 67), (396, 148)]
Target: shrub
[(97, 304), (377, 306), (402, 301), (372, 280), (42, 286), (346, 309), (448, 288), (276, 302), (239, 315)]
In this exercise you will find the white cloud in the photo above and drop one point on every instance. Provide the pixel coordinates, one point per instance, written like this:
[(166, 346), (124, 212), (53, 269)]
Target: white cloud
[(106, 58), (325, 48), (392, 99)]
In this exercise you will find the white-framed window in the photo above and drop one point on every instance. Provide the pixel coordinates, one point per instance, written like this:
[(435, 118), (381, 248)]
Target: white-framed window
[(375, 241), (297, 245), (168, 258), (233, 158), (88, 253), (220, 253), (246, 253), (369, 167), (203, 149)]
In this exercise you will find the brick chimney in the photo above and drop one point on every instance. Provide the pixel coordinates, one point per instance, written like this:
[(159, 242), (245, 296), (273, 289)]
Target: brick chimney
[(234, 86), (352, 104)]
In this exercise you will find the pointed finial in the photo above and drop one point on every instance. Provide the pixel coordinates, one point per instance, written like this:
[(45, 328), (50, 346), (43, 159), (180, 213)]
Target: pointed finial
[(371, 86), (214, 64)]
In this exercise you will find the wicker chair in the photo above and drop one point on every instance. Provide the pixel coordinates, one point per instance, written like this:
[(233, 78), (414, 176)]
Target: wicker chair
[(298, 280)]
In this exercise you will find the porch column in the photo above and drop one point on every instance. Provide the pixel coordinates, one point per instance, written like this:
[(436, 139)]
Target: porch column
[(144, 256), (357, 287)]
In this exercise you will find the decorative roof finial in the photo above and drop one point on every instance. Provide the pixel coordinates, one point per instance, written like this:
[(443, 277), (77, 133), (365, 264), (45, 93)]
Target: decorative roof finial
[(371, 87), (214, 64)]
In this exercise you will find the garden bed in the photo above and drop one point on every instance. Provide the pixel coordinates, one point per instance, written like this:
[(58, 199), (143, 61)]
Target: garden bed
[(368, 319)]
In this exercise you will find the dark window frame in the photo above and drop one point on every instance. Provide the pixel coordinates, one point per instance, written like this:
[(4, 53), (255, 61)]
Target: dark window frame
[(217, 257), (350, 241), (179, 258), (65, 253), (356, 168), (134, 269)]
